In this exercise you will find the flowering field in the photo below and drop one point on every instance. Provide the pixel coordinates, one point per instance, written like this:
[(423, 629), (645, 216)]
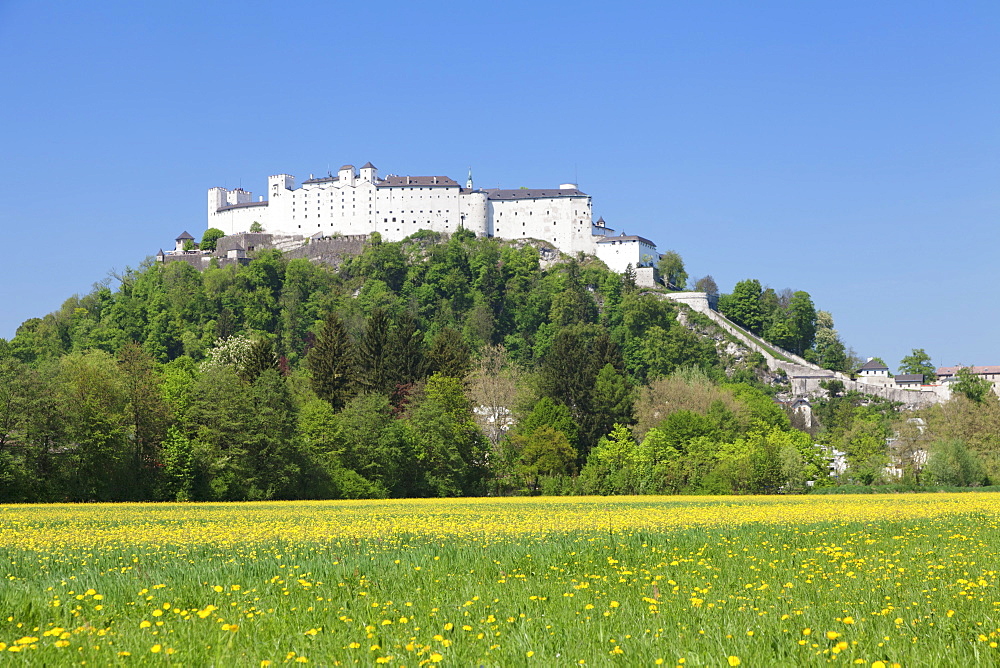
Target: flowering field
[(720, 581)]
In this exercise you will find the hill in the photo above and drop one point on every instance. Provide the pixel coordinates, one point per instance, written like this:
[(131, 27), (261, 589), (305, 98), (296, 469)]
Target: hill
[(434, 366)]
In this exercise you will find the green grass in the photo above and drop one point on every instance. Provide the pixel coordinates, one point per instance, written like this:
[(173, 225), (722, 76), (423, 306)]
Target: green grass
[(920, 591)]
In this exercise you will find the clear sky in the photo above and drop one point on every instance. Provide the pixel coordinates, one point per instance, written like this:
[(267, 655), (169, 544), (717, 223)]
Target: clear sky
[(849, 149)]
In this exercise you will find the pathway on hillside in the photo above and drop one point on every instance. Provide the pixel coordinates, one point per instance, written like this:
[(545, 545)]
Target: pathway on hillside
[(805, 377)]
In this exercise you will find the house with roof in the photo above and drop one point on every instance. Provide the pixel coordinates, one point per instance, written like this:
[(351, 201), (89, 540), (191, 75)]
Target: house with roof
[(181, 240), (623, 250), (911, 380), (874, 372), (361, 202)]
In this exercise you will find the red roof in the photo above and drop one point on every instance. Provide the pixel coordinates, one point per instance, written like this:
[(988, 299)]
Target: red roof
[(952, 370)]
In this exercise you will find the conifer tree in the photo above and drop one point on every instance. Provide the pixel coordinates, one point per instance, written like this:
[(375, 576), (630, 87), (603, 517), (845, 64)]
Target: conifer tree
[(330, 362), (375, 372), (260, 358), (449, 355), (406, 354)]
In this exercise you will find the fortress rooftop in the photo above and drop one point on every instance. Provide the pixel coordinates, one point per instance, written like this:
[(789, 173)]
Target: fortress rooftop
[(534, 193)]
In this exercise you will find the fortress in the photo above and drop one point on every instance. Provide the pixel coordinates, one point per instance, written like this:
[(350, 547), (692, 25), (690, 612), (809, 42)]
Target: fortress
[(360, 202)]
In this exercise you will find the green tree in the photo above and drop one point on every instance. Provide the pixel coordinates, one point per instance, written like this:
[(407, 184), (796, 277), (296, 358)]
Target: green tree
[(828, 350), (448, 447), (210, 238), (610, 467), (867, 454), (406, 350), (449, 355), (743, 306), (952, 463), (549, 413), (671, 267), (376, 445), (628, 280), (331, 362), (707, 285), (972, 386), (146, 413), (93, 405), (612, 402), (569, 371), (256, 227), (918, 362), (260, 357), (802, 320), (544, 452), (373, 356), (179, 471), (273, 465)]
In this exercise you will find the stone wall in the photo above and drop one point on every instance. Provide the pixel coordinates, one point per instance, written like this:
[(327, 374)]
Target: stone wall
[(201, 261), (805, 385), (805, 377), (248, 241), (645, 277), (698, 301), (332, 250)]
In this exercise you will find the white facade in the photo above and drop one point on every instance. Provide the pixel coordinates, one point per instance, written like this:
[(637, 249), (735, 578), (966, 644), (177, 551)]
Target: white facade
[(361, 202), (619, 252)]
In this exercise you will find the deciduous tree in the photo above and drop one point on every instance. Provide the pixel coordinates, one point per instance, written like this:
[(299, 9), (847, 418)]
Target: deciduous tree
[(918, 362)]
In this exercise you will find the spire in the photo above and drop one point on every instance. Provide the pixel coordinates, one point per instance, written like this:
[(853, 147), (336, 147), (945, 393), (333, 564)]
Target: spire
[(468, 184)]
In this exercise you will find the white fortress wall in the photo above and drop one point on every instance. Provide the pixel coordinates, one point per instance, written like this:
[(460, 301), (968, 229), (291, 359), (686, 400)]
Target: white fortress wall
[(407, 204), (359, 202), (234, 211), (619, 252), (561, 216), (343, 204)]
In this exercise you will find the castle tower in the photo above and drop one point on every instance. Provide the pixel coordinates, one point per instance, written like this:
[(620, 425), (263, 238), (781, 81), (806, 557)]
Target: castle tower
[(369, 173), (239, 196), (279, 184), (181, 240), (346, 175), (468, 183), (473, 206), (216, 199)]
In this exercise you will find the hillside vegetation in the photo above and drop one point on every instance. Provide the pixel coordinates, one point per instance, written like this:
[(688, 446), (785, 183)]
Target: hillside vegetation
[(430, 367)]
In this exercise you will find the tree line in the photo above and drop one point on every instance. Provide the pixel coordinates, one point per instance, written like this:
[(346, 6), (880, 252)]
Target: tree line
[(436, 366)]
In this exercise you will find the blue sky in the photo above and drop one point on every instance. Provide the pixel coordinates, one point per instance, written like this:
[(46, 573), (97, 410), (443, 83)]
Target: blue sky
[(849, 149)]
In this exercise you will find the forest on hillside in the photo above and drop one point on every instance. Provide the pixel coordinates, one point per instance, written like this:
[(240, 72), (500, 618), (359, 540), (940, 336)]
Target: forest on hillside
[(434, 366)]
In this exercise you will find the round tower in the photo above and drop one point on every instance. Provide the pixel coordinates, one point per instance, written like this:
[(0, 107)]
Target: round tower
[(473, 210)]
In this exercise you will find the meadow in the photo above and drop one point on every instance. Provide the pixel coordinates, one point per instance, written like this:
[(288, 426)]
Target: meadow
[(872, 580)]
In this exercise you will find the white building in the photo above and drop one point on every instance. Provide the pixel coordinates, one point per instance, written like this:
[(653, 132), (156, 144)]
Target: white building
[(361, 202), (874, 372), (621, 251)]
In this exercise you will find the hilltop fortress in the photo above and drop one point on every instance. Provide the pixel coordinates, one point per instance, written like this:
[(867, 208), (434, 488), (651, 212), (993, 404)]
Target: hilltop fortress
[(360, 202)]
